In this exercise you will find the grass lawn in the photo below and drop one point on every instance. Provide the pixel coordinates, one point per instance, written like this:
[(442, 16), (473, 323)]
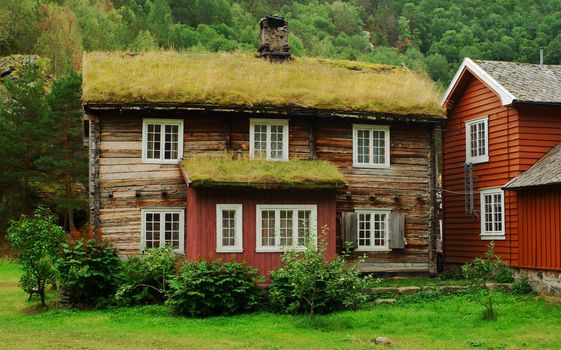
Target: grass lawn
[(447, 323), (418, 282)]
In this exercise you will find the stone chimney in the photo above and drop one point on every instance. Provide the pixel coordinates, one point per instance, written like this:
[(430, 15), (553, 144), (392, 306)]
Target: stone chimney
[(273, 38)]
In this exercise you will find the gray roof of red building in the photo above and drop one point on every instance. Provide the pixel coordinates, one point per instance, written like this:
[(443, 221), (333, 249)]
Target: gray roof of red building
[(546, 171)]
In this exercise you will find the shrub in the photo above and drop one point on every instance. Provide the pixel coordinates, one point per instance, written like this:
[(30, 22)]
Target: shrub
[(480, 272), (38, 241), (309, 283), (520, 286), (88, 271), (144, 278), (207, 288)]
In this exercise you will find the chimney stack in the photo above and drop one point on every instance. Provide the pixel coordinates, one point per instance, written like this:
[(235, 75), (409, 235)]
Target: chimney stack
[(541, 56), (273, 38)]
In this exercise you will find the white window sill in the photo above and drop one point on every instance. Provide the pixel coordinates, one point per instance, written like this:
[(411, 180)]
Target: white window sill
[(371, 166), (371, 249), (279, 250), (229, 250), (159, 161), (492, 237)]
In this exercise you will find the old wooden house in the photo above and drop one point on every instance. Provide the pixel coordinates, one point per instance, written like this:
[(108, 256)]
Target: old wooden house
[(232, 156), (503, 118)]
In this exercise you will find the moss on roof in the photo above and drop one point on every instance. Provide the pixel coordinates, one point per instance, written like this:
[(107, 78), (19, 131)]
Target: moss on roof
[(228, 172), (242, 80)]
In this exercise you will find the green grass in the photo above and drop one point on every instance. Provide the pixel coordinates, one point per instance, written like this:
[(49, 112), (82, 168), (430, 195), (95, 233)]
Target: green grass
[(418, 282), (450, 322)]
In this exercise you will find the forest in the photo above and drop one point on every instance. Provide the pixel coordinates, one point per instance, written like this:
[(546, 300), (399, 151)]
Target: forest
[(44, 161)]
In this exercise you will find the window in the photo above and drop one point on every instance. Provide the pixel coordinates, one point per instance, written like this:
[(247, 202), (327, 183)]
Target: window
[(492, 214), (284, 226), (477, 143), (162, 140), (163, 226), (268, 139), (372, 230), (229, 235), (371, 146)]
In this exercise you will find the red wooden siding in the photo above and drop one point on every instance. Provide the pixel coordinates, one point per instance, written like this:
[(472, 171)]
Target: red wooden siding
[(540, 228), (201, 221), (461, 231)]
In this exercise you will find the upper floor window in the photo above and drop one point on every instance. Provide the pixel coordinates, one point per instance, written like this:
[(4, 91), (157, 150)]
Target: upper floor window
[(477, 140), (492, 214), (163, 226), (284, 226), (229, 235), (162, 140), (371, 146), (268, 139), (373, 230)]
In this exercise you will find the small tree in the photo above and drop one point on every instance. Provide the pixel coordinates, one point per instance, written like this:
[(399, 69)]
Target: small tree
[(482, 271), (38, 241)]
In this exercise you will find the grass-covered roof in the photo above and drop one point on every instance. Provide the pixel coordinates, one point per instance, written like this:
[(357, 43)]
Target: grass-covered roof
[(228, 172), (242, 80)]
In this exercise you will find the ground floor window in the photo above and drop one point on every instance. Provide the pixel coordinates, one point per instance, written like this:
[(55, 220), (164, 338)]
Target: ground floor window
[(372, 230), (285, 226), (163, 226), (492, 214), (229, 228)]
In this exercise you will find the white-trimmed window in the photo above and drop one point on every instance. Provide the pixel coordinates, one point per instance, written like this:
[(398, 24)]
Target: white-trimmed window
[(285, 226), (371, 146), (477, 140), (162, 140), (268, 139), (373, 229), (229, 234), (163, 226), (492, 214)]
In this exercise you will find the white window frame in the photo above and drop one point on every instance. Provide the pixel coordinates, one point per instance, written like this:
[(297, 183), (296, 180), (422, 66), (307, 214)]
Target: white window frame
[(492, 235), (372, 247), (370, 128), (481, 158), (163, 123), (238, 235), (162, 212), (277, 208), (268, 122)]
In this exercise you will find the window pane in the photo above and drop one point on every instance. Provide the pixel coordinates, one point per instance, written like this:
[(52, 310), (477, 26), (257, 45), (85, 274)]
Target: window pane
[(260, 141), (228, 228), (303, 226), (171, 141), (171, 229), (473, 137), (378, 147), (268, 228), (152, 230), (364, 229), (286, 227), (379, 230), (498, 212), (153, 141), (481, 139), (277, 141), (363, 146)]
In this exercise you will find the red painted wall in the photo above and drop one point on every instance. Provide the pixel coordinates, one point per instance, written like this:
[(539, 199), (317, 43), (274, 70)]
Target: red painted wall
[(200, 239)]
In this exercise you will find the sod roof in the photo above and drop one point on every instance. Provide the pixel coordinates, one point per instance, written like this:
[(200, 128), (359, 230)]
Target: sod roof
[(228, 172), (242, 80)]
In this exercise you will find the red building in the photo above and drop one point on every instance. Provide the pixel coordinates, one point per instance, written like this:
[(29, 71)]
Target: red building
[(502, 118)]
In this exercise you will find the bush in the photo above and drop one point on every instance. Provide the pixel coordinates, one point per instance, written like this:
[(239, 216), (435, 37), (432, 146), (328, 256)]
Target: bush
[(145, 278), (207, 288), (88, 271), (309, 283), (520, 286), (38, 241)]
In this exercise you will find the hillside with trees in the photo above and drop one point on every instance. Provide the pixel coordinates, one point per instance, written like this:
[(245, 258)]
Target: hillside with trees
[(40, 131)]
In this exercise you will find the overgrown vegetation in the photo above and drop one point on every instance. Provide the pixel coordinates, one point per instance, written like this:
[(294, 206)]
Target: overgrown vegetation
[(310, 283), (208, 288), (240, 79), (481, 271), (88, 271), (38, 242), (204, 170)]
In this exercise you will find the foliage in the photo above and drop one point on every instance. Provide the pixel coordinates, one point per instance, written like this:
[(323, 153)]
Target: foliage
[(521, 286), (144, 278), (38, 241), (207, 288), (239, 79), (310, 283), (88, 271), (480, 272)]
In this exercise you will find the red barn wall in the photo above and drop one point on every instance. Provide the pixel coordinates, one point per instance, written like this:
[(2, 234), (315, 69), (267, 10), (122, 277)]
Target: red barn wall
[(201, 221)]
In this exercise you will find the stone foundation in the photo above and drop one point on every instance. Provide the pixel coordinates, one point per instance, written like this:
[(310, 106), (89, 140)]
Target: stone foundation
[(546, 282)]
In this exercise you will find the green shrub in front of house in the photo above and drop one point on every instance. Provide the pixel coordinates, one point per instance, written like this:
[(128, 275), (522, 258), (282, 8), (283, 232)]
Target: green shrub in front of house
[(310, 283), (207, 288), (144, 279), (88, 271)]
